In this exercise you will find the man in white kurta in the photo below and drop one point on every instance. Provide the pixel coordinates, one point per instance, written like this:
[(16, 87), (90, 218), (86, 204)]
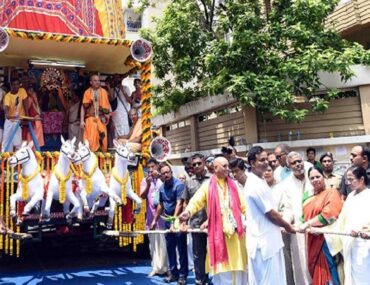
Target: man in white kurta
[(120, 115), (264, 241), (293, 190), (355, 216)]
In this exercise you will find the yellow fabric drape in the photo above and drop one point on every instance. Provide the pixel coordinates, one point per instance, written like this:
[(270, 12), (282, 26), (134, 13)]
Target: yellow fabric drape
[(110, 16)]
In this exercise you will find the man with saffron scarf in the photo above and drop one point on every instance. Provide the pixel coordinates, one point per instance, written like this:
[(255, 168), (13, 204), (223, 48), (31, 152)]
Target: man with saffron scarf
[(264, 241), (226, 238), (95, 111)]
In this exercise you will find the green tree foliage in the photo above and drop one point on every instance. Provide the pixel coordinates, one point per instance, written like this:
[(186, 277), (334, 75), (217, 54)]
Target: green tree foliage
[(263, 54)]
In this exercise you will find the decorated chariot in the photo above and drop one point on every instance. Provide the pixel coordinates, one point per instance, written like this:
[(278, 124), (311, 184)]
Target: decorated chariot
[(48, 190)]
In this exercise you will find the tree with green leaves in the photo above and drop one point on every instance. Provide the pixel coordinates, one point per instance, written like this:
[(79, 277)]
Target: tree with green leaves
[(265, 54)]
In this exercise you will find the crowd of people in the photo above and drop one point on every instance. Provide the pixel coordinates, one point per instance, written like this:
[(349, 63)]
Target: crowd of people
[(267, 218), (271, 218), (96, 114)]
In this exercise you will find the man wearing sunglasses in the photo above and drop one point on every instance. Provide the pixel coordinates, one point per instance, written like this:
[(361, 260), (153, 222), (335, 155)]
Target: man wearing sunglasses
[(282, 171), (170, 202), (199, 219), (289, 194)]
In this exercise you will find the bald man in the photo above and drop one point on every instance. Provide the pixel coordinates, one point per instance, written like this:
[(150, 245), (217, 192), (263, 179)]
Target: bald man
[(95, 115), (226, 239)]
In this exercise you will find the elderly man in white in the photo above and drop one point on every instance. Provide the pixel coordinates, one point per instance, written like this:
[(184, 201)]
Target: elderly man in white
[(288, 196)]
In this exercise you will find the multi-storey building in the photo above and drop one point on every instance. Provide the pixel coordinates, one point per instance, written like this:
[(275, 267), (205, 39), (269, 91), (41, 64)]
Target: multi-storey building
[(207, 124)]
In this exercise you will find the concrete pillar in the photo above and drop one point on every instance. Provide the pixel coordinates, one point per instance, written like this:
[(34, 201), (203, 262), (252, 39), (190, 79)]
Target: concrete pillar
[(365, 106), (194, 136), (250, 124)]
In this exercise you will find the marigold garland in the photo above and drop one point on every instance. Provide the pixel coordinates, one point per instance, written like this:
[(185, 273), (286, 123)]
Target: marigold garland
[(18, 243), (7, 205), (122, 182), (87, 175), (146, 109), (40, 159), (62, 183), (120, 226), (11, 241), (66, 38), (102, 165), (76, 170), (25, 180), (2, 195), (108, 158)]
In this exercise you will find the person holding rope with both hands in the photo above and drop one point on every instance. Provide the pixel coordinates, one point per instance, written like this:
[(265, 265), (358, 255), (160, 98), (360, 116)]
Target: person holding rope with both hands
[(351, 231), (264, 240), (319, 210), (170, 202), (199, 219), (226, 233)]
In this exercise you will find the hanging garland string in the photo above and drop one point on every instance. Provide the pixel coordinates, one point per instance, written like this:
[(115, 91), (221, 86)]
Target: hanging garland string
[(146, 118), (40, 36)]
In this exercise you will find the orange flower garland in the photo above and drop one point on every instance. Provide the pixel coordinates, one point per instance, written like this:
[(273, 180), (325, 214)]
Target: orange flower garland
[(146, 109)]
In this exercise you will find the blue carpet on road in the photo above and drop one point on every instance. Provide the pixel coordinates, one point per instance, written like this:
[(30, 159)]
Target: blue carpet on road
[(121, 274)]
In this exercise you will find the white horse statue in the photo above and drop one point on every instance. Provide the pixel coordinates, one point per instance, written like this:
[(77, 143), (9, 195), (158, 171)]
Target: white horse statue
[(120, 181), (31, 184), (60, 185), (93, 182)]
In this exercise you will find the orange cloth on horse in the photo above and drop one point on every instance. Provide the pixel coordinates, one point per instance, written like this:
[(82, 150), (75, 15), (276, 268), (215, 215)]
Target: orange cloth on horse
[(96, 108), (326, 205)]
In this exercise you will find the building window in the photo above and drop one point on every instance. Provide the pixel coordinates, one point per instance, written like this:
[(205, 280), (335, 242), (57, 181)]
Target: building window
[(218, 113), (132, 20), (177, 125)]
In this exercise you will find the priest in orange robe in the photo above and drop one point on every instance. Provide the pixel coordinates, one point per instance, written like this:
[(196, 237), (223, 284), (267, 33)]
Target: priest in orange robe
[(95, 115)]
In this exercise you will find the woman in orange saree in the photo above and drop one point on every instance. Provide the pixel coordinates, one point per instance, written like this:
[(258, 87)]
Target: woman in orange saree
[(319, 210)]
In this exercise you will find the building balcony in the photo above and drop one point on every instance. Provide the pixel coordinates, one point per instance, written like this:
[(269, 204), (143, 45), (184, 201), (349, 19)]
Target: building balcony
[(352, 19)]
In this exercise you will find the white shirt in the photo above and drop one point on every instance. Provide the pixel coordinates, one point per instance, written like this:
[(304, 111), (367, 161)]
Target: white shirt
[(261, 232), (293, 190), (120, 115)]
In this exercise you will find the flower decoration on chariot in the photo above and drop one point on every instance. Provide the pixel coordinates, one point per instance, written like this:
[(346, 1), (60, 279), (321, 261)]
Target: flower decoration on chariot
[(52, 78)]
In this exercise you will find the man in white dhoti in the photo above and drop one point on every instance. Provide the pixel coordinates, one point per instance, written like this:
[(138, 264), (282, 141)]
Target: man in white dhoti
[(264, 242), (120, 115), (354, 219), (149, 190), (290, 193)]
